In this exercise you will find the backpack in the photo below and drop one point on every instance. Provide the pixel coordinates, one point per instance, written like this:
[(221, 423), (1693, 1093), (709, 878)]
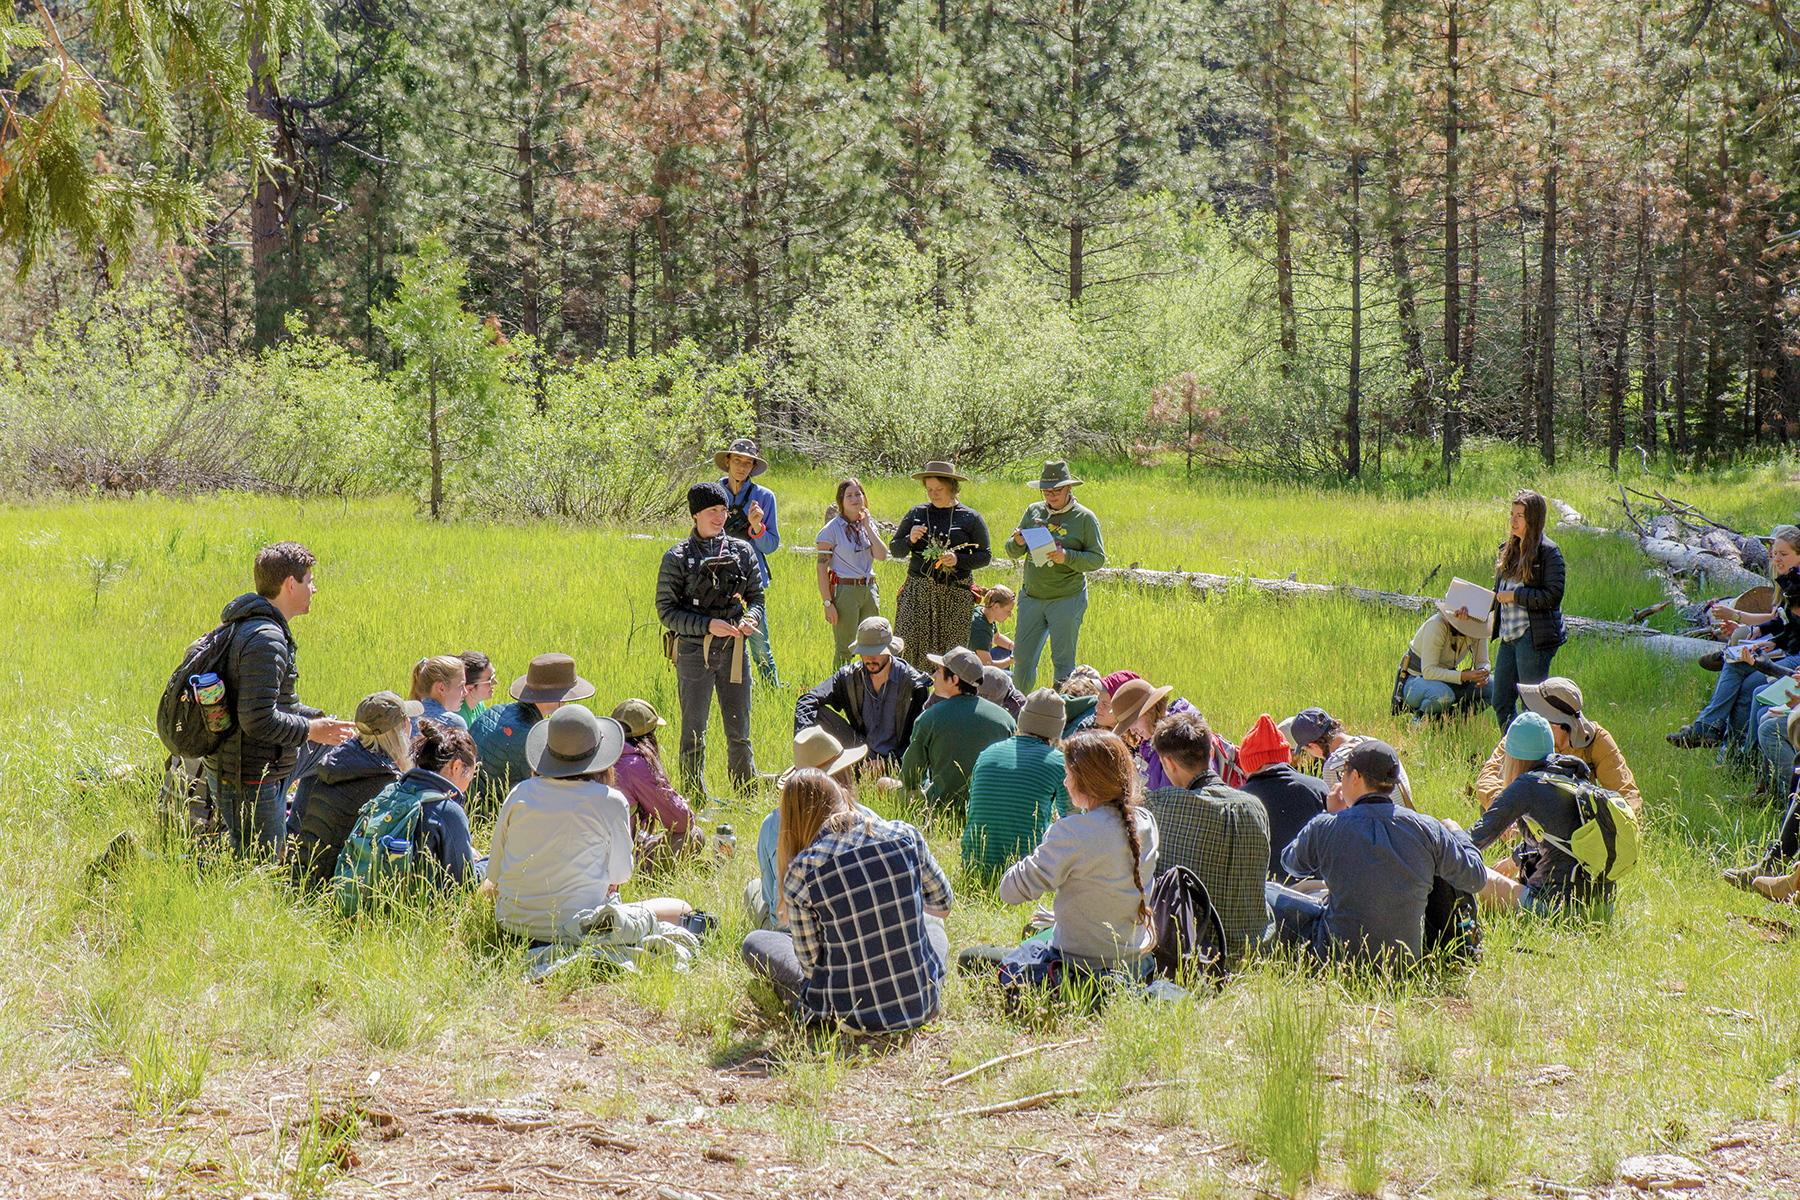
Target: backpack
[(1605, 842), (1190, 938), (1452, 923), (378, 855), (181, 716)]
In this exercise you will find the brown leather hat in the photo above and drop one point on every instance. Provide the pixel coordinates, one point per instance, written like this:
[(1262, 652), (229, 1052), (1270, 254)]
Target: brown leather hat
[(551, 677)]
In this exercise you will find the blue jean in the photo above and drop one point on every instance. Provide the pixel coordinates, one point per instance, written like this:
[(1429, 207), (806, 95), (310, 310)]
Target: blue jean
[(762, 653), (1298, 917), (1431, 697), (1516, 662), (1055, 621), (254, 815), (1772, 746), (1729, 707)]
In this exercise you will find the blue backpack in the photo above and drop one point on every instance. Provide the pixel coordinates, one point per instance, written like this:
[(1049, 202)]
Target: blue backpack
[(377, 858)]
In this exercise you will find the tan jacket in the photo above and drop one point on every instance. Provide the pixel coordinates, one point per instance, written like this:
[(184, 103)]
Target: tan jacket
[(1441, 650), (1602, 757)]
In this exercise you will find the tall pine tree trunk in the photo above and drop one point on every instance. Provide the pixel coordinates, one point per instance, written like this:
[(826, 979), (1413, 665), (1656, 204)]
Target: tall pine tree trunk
[(1546, 305), (1452, 237)]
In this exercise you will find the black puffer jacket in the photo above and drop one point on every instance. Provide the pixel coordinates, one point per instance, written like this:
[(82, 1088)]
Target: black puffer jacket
[(327, 802), (702, 579), (263, 673), (1541, 598)]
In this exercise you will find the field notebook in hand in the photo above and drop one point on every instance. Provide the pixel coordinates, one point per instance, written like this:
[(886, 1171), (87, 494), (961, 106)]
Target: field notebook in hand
[(1779, 693), (1039, 541), (1472, 596)]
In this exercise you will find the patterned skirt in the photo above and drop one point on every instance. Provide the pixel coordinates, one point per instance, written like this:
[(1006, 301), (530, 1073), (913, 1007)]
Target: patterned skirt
[(932, 616)]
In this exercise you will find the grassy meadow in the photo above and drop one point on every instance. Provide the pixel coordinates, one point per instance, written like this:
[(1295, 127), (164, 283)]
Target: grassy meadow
[(1565, 1050)]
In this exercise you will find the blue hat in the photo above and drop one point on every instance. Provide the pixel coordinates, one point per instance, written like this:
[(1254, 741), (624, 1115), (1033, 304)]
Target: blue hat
[(1529, 738)]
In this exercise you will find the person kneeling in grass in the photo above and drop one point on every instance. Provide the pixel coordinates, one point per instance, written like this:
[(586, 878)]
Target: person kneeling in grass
[(814, 749), (1016, 789), (1550, 879), (562, 843), (1433, 680), (865, 902), (1558, 701)]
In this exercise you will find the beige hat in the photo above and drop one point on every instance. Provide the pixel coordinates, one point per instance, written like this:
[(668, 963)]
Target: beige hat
[(961, 662), (814, 747), (1044, 715), (1474, 627), (875, 636), (1558, 701), (1132, 698), (637, 716), (940, 470)]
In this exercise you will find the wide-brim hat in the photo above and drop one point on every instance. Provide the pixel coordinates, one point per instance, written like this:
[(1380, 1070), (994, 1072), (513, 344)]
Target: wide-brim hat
[(1558, 701), (942, 470), (1475, 627), (1054, 475), (815, 747), (747, 448), (573, 741), (551, 677), (1759, 599), (876, 636), (1133, 698)]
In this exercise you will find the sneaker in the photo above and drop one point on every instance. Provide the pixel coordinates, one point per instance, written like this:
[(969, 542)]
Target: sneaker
[(1712, 660), (1693, 737)]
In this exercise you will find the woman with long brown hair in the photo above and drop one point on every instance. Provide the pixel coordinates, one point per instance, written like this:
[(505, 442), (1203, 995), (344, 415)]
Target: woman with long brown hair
[(1528, 592), (848, 549)]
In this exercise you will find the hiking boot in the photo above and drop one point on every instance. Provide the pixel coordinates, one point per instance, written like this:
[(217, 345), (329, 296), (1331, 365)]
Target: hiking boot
[(1693, 737), (1712, 660), (1742, 877), (1779, 888)]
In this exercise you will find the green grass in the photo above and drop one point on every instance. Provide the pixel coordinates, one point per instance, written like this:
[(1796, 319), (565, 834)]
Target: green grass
[(174, 978)]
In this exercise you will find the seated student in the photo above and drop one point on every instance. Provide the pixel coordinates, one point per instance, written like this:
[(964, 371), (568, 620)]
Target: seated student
[(501, 732), (985, 639), (1081, 699), (562, 843), (1137, 708), (437, 683), (865, 903), (1774, 637), (948, 737), (443, 758), (1289, 798), (1550, 879), (478, 689), (1781, 853), (330, 797), (662, 820), (1318, 733), (1433, 680), (1558, 701), (874, 702), (1378, 860), (1219, 833), (997, 685), (1016, 789), (1099, 860), (814, 749)]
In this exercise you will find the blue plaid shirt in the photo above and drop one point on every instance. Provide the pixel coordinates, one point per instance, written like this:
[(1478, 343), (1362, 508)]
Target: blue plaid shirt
[(856, 905), (1514, 619)]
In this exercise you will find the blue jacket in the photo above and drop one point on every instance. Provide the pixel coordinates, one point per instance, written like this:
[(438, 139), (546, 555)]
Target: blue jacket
[(445, 850), (499, 734), (770, 541)]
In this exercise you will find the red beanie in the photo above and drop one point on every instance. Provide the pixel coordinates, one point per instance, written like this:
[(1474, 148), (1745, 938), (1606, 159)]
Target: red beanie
[(1117, 680), (1263, 745)]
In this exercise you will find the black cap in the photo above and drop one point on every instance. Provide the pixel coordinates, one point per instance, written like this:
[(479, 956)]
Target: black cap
[(703, 496), (1377, 763)]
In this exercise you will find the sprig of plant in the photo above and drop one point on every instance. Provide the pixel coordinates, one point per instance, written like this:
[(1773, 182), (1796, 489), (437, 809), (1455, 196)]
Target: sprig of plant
[(936, 547)]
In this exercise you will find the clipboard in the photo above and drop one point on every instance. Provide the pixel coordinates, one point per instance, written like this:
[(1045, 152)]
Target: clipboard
[(1040, 541)]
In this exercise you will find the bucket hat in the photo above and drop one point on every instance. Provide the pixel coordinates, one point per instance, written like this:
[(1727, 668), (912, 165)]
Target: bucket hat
[(961, 662), (573, 742), (1132, 698), (1558, 701), (875, 636), (815, 747), (1054, 475), (1044, 715), (551, 677), (384, 712), (637, 717), (942, 470), (747, 448)]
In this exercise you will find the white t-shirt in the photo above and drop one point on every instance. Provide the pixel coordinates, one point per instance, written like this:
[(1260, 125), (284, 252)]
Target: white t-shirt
[(847, 559), (559, 847)]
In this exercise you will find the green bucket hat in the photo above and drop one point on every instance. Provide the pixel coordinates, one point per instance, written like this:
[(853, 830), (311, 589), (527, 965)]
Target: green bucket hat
[(1055, 475)]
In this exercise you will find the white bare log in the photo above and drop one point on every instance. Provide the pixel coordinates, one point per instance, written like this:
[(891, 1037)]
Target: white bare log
[(1681, 558)]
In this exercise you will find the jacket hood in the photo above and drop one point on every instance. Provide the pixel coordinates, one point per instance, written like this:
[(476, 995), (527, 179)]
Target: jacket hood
[(352, 761), (253, 605)]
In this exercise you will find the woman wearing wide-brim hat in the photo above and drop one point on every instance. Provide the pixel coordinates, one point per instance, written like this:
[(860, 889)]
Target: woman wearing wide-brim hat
[(1054, 598), (943, 541)]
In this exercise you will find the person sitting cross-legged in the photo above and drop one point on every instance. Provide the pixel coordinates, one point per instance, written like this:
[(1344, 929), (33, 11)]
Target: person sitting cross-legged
[(949, 736), (1767, 876), (873, 702), (1558, 701), (662, 820), (1219, 833), (1289, 798), (1378, 860), (330, 797), (1016, 789), (1316, 732)]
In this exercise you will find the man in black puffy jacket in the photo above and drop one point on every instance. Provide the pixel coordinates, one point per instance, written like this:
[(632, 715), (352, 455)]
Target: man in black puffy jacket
[(246, 774)]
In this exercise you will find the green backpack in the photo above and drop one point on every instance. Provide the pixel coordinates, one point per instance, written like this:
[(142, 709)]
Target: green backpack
[(377, 859), (1605, 843)]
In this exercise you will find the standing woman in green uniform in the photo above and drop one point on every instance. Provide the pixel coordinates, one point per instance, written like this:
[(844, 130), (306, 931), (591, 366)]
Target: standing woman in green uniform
[(1054, 599)]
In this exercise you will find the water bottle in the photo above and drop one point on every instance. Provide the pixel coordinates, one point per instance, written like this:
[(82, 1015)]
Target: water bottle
[(209, 691), (725, 842)]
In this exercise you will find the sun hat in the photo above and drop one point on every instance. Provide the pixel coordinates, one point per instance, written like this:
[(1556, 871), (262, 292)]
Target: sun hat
[(1308, 726), (1054, 475), (1758, 599), (1376, 762), (1043, 715), (1132, 698), (550, 677), (1112, 683), (961, 662), (637, 716), (941, 470), (747, 448), (383, 712), (703, 496), (1262, 746), (996, 683), (573, 741), (1529, 738), (815, 747), (1474, 627), (1558, 701), (875, 636)]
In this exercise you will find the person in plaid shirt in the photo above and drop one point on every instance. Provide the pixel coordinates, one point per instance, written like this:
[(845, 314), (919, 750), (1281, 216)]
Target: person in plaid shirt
[(864, 901)]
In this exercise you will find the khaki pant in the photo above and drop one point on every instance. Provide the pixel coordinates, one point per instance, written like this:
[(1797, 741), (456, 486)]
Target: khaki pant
[(856, 603)]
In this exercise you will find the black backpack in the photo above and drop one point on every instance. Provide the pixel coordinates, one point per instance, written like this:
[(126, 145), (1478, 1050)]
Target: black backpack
[(180, 717), (1190, 938), (1452, 923)]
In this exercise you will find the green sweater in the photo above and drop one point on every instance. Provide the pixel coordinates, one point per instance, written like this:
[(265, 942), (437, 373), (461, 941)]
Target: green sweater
[(1015, 792), (946, 740), (1078, 533)]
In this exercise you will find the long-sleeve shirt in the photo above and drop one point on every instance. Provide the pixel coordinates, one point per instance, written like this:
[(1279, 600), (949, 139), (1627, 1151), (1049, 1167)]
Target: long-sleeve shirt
[(1605, 763), (560, 846), (654, 800), (770, 539), (1077, 531), (1222, 835), (1379, 861), (959, 527), (1015, 792), (706, 579), (1441, 649), (946, 740), (1086, 860), (1547, 800)]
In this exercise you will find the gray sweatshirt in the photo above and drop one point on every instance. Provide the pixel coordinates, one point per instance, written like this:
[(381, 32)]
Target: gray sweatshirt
[(1086, 860)]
